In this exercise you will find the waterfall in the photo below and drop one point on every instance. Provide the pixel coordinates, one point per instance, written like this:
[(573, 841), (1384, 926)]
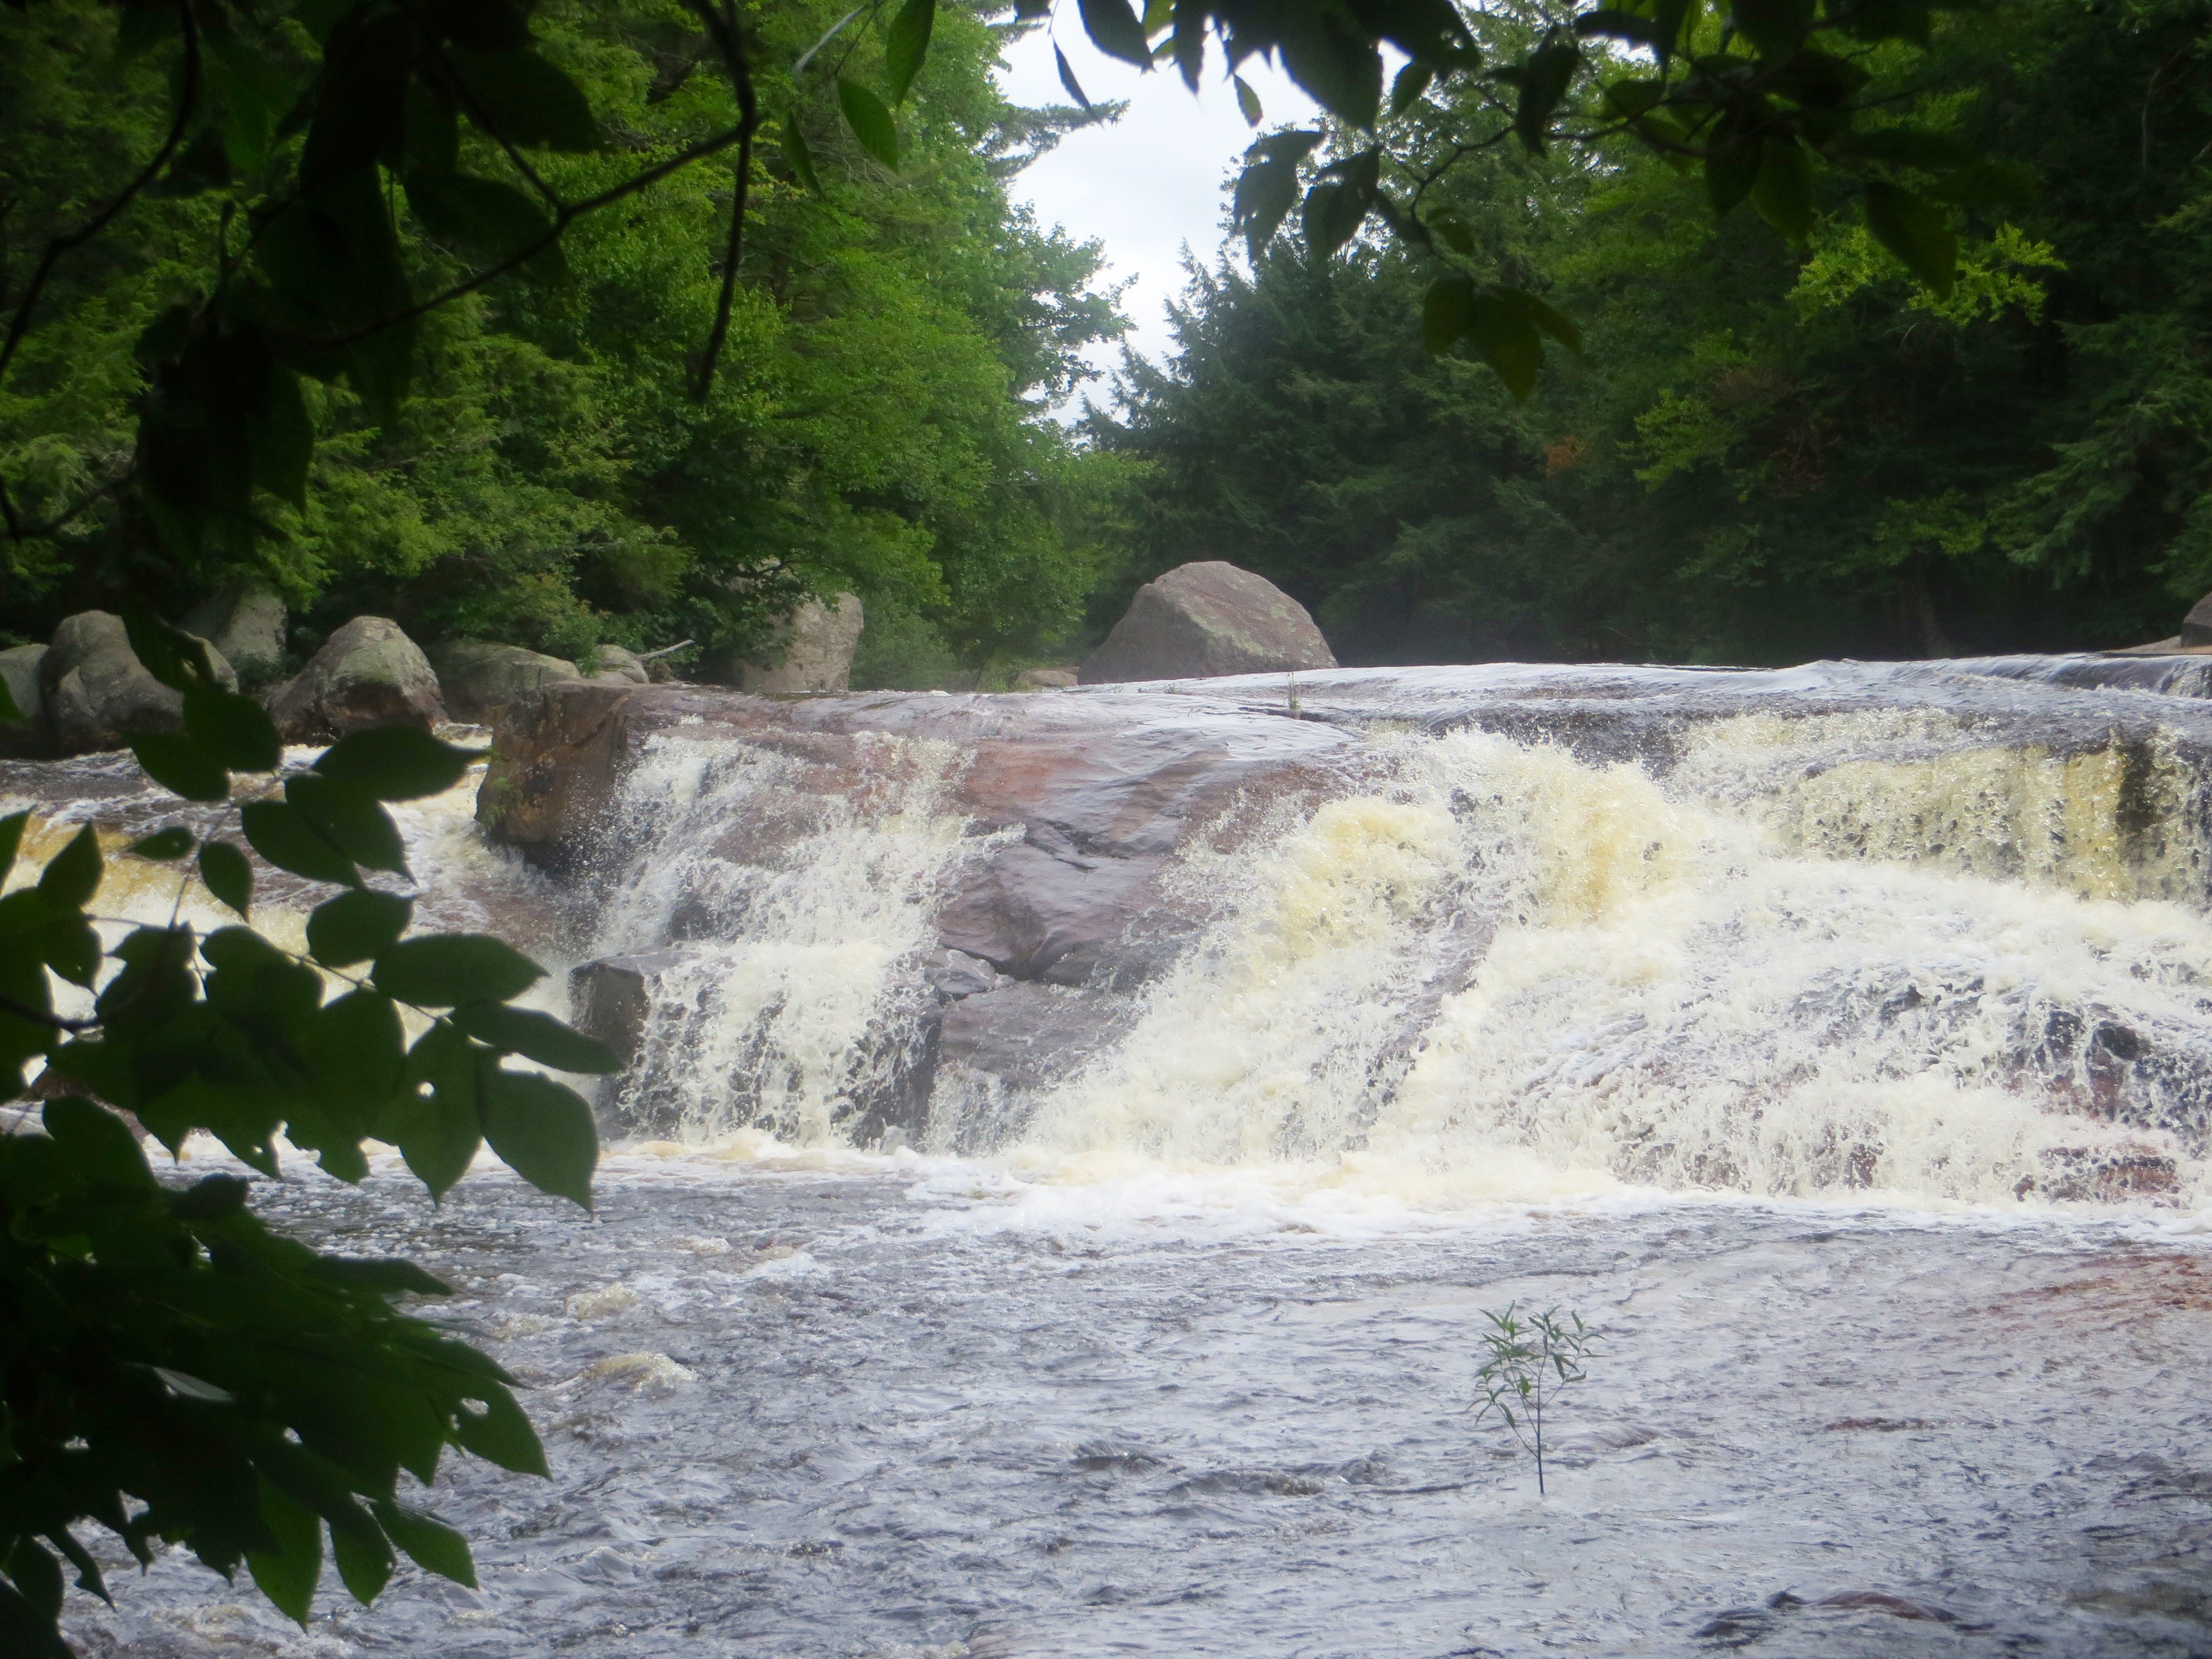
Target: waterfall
[(1857, 949)]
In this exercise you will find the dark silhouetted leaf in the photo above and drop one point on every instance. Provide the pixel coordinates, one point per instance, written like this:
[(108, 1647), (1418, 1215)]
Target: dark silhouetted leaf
[(172, 843), (442, 970), (350, 817), (503, 1435), (1914, 230), (72, 876), (1113, 29), (11, 839), (799, 154), (168, 652), (355, 926), (488, 222), (227, 874), (1782, 194), (232, 728), (429, 1542), (521, 98), (397, 763), (1067, 80), (284, 836), (181, 765), (364, 1568), (1507, 339), (535, 1036), (287, 1574), (544, 1133), (1247, 102), (386, 1275), (1731, 170)]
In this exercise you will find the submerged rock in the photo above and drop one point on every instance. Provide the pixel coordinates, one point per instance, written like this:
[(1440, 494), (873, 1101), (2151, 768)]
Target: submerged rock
[(97, 692), (1201, 621), (368, 673)]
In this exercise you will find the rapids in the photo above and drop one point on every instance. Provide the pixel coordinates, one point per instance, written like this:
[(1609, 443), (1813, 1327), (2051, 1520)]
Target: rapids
[(1837, 1041)]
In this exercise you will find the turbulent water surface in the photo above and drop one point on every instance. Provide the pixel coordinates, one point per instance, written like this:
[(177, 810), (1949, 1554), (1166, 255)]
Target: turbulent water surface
[(1847, 1065)]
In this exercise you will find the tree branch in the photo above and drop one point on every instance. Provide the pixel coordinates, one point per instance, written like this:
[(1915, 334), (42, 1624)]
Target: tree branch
[(721, 28), (19, 324)]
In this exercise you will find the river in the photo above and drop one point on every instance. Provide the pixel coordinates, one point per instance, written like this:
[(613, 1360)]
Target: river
[(1858, 1111)]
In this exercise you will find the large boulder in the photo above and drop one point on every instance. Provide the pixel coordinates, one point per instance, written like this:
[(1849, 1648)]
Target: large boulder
[(818, 654), (97, 692), (1203, 620), (615, 665), (19, 670), (480, 679), (245, 623), (368, 673)]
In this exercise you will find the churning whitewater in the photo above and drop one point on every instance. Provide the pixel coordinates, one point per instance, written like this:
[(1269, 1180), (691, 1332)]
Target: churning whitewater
[(1818, 955)]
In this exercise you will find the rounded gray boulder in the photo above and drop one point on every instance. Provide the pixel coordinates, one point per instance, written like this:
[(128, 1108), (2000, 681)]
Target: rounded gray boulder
[(1203, 620), (481, 679), (368, 673), (97, 692)]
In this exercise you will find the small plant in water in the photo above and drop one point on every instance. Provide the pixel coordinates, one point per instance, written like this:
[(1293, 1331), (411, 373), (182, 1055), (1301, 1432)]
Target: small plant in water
[(1534, 1358)]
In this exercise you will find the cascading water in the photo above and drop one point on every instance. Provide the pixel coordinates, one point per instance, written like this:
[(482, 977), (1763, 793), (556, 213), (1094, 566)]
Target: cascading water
[(1833, 953)]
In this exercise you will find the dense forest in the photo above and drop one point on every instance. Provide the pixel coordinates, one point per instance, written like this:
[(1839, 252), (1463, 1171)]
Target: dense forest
[(1766, 451), (876, 424)]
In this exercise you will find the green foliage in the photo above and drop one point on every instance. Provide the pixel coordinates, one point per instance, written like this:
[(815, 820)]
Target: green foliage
[(1773, 447), (556, 475), (1530, 1361), (171, 1370)]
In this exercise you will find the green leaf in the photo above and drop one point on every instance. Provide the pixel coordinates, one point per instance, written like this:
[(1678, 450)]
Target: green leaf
[(1916, 231), (1454, 233), (1248, 101), (37, 1576), (351, 818), (210, 1198), (908, 45), (1542, 317), (1731, 169), (100, 1143), (518, 96), (799, 156), (1782, 194), (72, 876), (385, 1275), (544, 1133), (870, 121), (535, 1036), (1445, 311), (172, 843), (502, 1435), (287, 1574), (282, 440), (1543, 79), (1406, 87), (1507, 340), (1067, 80), (11, 839), (1774, 28), (444, 969), (355, 926), (182, 765), (429, 1542), (483, 25), (364, 1568), (232, 728), (438, 1133), (359, 96), (227, 874), (1265, 192), (397, 763), (168, 652), (357, 1051), (283, 835), (1113, 29), (488, 222)]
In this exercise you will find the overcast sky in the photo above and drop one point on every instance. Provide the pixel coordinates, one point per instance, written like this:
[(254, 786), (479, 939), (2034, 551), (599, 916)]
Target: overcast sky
[(1153, 181)]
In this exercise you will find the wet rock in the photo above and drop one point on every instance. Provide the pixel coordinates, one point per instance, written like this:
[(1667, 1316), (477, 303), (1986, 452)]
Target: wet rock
[(1045, 679), (1058, 916), (817, 650), (19, 670), (96, 690), (2197, 626), (479, 679), (955, 974), (1897, 1606), (1029, 1035), (611, 999), (554, 761), (1202, 620), (245, 623), (368, 673), (618, 666)]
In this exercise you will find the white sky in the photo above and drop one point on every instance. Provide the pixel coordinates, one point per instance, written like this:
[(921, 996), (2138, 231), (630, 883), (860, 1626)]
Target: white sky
[(1150, 182)]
